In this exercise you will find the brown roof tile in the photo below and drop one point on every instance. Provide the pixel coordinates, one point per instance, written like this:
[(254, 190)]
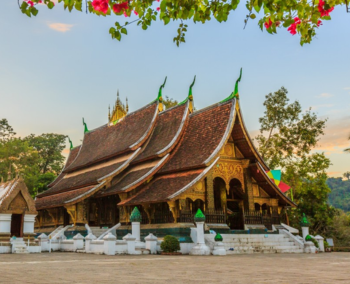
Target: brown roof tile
[(58, 200), (204, 133), (71, 157), (109, 141), (163, 187), (84, 179), (166, 133)]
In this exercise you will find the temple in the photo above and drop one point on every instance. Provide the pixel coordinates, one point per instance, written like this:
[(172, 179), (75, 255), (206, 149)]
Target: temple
[(169, 163)]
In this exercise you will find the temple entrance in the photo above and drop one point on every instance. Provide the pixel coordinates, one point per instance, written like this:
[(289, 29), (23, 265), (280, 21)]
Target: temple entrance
[(66, 218), (219, 194), (235, 205), (17, 225)]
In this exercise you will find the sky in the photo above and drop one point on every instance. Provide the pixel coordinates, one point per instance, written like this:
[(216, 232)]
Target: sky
[(59, 67)]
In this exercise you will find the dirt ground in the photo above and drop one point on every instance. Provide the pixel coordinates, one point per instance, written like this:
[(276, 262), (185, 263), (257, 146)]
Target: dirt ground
[(258, 268)]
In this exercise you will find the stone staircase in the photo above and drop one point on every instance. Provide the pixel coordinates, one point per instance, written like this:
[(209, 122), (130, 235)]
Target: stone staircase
[(19, 246), (255, 243), (97, 231)]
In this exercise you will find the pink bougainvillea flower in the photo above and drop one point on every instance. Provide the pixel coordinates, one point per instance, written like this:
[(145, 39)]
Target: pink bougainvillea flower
[(136, 13), (100, 6), (322, 10), (158, 8), (319, 23), (31, 3), (268, 24), (117, 8), (293, 27), (125, 14), (104, 7)]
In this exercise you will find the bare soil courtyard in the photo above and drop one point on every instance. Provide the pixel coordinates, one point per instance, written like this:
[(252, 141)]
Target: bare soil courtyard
[(258, 268)]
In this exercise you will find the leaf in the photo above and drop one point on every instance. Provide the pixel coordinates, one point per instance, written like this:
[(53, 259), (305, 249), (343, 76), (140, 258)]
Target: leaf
[(34, 11), (50, 5), (253, 16), (166, 20), (124, 31)]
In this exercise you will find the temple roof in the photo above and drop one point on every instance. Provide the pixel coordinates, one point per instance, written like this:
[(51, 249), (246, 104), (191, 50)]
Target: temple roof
[(107, 141), (71, 157), (205, 135), (60, 198), (166, 133)]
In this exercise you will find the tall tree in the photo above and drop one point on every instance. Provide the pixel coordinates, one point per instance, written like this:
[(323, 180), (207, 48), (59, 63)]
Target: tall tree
[(287, 136), (6, 131), (297, 16), (49, 147), (169, 102), (347, 175)]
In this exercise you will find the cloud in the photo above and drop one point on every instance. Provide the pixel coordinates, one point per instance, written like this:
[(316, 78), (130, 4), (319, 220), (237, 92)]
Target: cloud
[(347, 88), (336, 136), (60, 27), (322, 106), (325, 95)]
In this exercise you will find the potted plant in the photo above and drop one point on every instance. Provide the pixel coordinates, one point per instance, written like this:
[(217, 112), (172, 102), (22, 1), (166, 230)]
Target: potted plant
[(170, 246)]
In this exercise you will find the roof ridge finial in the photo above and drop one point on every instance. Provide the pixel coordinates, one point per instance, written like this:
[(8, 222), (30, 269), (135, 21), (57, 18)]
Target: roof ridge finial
[(235, 93), (70, 142), (109, 113), (160, 96), (190, 96), (127, 105), (85, 126), (190, 90)]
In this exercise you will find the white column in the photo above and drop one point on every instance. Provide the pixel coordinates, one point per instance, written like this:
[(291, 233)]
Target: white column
[(305, 232), (90, 237), (151, 243), (200, 248), (78, 241), (5, 223), (28, 224), (320, 241), (109, 244), (130, 241), (135, 229)]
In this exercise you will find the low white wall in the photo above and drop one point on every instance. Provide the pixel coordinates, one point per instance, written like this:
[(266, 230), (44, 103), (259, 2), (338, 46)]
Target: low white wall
[(28, 224), (5, 223), (5, 249), (185, 248), (96, 247), (67, 245), (121, 247)]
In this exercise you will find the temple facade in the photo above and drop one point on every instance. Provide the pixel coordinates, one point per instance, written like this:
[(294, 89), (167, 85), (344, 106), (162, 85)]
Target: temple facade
[(168, 163)]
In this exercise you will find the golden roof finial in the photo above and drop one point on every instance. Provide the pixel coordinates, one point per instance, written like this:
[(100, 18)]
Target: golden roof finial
[(119, 110)]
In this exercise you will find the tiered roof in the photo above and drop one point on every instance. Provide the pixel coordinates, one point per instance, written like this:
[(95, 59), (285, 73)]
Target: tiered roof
[(160, 154)]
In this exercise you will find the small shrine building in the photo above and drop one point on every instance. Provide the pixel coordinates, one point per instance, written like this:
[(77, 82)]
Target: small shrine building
[(168, 163)]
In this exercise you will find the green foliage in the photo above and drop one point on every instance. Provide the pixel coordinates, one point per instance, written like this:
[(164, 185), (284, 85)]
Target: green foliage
[(340, 193), (170, 244), (325, 244), (287, 137), (169, 102), (37, 158), (348, 149), (281, 14)]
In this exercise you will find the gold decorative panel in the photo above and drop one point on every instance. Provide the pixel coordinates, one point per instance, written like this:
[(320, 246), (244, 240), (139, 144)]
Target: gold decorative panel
[(228, 171)]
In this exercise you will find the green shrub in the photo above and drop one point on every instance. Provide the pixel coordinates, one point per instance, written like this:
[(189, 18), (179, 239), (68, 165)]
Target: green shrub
[(315, 242), (325, 243), (170, 244)]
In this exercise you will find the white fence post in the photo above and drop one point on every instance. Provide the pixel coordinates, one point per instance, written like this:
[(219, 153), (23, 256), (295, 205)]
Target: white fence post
[(109, 244)]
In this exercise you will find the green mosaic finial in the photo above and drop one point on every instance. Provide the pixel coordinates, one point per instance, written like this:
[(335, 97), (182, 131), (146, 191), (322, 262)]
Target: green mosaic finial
[(308, 238), (190, 96), (160, 98), (235, 93), (85, 126), (135, 215), (218, 238), (199, 217), (70, 142), (304, 221)]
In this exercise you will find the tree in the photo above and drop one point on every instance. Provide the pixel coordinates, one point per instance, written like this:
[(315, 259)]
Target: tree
[(298, 16), (169, 102), (6, 131), (49, 147), (348, 149), (347, 175), (287, 136)]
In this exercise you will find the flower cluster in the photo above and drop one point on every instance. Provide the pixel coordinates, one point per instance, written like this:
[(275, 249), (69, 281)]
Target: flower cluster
[(293, 27), (100, 6), (31, 3), (268, 24), (322, 10), (117, 8)]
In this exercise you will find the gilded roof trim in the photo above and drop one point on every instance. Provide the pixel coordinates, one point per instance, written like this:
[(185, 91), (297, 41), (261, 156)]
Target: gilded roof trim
[(249, 140), (226, 134), (192, 183)]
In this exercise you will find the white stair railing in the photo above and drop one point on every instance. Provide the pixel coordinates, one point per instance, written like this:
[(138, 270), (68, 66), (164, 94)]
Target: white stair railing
[(108, 231), (88, 229), (61, 232), (55, 231)]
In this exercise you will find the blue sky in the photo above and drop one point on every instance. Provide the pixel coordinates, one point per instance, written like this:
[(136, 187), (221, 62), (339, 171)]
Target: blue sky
[(59, 67)]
